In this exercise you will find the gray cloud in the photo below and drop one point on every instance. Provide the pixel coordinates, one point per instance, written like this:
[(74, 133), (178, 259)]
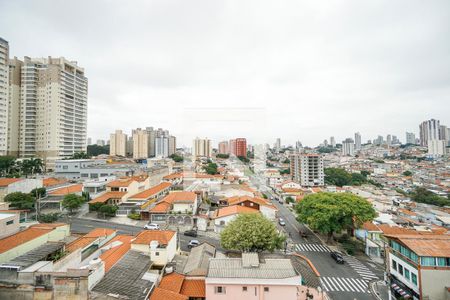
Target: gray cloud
[(314, 68)]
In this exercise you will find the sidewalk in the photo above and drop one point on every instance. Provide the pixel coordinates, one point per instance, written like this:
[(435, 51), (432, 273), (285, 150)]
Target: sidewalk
[(380, 290)]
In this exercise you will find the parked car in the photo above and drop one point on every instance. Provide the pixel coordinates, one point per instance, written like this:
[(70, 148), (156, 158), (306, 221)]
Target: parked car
[(191, 232), (193, 243), (337, 257), (280, 201), (281, 222), (151, 226)]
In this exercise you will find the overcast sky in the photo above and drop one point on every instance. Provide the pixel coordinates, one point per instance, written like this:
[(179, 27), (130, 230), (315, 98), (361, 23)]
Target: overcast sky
[(298, 70)]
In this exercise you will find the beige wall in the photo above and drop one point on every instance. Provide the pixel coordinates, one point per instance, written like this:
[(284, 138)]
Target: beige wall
[(165, 254), (434, 283), (57, 234), (140, 144), (7, 230), (118, 143)]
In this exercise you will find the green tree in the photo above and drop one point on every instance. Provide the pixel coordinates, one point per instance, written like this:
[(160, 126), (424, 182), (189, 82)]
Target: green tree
[(211, 168), (224, 156), (7, 164), (251, 233), (333, 212), (176, 157), (285, 171), (95, 206), (108, 210), (423, 195), (407, 173), (358, 179), (289, 199), (95, 150), (79, 155), (48, 218), (72, 202), (337, 176), (20, 200), (244, 159), (38, 192)]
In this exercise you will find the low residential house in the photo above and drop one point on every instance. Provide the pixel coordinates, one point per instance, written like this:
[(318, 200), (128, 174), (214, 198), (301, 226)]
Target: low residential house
[(160, 245), (196, 264), (225, 215), (131, 185), (174, 178), (266, 208), (129, 278), (23, 185), (30, 238), (419, 265), (251, 278), (55, 196), (176, 202), (96, 186), (151, 195), (109, 198), (9, 224), (175, 286), (91, 242)]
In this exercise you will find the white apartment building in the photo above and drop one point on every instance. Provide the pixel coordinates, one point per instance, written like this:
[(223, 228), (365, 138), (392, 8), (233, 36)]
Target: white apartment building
[(47, 108), (357, 141), (202, 147), (436, 147), (410, 138), (162, 146), (172, 145), (4, 95), (118, 143), (348, 147), (429, 130), (307, 169)]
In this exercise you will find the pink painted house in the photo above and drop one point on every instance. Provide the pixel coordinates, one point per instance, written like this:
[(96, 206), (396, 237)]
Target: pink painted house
[(248, 278)]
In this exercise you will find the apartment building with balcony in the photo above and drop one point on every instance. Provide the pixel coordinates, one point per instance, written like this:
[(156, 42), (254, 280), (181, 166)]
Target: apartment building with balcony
[(118, 143), (419, 266), (307, 169), (4, 95)]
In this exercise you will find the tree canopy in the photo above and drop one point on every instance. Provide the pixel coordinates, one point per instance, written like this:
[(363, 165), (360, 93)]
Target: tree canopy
[(333, 212), (340, 177), (176, 157), (221, 155), (94, 150), (422, 195), (20, 200), (251, 233), (211, 168), (72, 202)]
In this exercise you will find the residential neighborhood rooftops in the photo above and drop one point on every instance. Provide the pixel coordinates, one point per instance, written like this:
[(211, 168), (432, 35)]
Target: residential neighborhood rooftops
[(183, 196), (162, 236), (232, 210), (239, 268), (126, 181), (425, 245), (7, 181), (126, 277), (33, 256), (115, 250), (176, 286), (89, 238), (151, 192), (108, 195), (26, 235), (71, 189)]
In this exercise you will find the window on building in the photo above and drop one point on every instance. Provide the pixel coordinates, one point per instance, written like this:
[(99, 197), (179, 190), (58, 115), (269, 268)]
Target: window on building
[(414, 278), (442, 261), (407, 274), (219, 290), (266, 289), (394, 265), (400, 269), (9, 222), (428, 261), (156, 253), (244, 288)]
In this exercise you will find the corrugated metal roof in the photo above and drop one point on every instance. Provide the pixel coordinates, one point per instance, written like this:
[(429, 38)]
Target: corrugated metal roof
[(267, 269)]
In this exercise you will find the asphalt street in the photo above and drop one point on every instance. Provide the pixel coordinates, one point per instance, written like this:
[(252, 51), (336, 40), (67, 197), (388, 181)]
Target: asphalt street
[(341, 281)]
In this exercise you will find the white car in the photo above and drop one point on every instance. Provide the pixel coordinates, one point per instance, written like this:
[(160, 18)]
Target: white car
[(152, 226), (193, 243)]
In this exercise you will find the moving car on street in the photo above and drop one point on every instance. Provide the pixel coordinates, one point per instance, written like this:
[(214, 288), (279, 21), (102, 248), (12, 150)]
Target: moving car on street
[(191, 232), (337, 257), (281, 222), (193, 243)]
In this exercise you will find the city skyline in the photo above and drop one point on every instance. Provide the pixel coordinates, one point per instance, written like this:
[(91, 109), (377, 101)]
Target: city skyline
[(277, 62)]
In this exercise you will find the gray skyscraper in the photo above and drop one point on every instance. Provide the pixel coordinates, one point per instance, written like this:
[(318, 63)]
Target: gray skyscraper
[(332, 142), (429, 130)]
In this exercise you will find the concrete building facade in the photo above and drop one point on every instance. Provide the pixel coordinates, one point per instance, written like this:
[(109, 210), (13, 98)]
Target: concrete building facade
[(118, 143), (4, 95), (202, 147), (307, 169)]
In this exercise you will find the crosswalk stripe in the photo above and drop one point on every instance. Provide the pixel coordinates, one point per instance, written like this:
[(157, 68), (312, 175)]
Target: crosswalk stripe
[(338, 284), (312, 248)]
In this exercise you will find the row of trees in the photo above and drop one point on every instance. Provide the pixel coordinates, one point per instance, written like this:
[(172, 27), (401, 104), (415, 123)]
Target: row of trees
[(211, 168), (340, 177), (104, 210), (176, 157), (422, 195), (12, 167)]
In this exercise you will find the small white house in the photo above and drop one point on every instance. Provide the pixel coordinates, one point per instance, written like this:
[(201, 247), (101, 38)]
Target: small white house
[(161, 245)]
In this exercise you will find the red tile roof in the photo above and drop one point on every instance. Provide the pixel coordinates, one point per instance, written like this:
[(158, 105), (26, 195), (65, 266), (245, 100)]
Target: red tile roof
[(161, 207), (113, 255), (162, 294), (76, 188), (89, 238), (172, 282), (162, 236), (26, 235), (183, 196), (239, 199), (151, 192), (53, 181), (194, 288), (108, 195), (7, 181), (232, 210)]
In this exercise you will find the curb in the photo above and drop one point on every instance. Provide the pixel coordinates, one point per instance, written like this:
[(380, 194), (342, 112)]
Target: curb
[(372, 290), (105, 221)]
